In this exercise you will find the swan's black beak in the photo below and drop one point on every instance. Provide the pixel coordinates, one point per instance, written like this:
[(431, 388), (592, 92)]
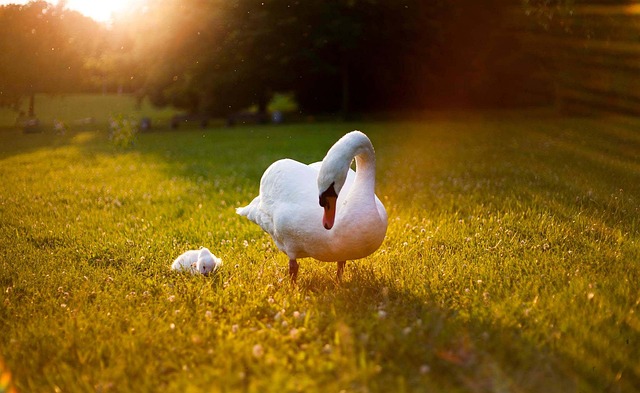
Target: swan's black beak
[(328, 200)]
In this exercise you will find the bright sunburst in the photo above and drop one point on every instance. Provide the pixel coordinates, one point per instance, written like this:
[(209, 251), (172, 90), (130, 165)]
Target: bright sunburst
[(101, 10)]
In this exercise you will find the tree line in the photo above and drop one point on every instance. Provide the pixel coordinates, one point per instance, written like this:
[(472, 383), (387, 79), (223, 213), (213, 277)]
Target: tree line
[(220, 56)]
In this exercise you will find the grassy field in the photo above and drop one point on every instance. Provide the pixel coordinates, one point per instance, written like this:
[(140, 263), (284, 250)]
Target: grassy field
[(511, 263), (72, 109)]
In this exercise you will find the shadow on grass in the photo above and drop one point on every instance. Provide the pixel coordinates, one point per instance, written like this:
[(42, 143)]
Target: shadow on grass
[(398, 338), (13, 141)]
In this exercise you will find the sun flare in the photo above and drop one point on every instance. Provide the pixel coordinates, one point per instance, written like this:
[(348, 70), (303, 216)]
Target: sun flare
[(102, 10)]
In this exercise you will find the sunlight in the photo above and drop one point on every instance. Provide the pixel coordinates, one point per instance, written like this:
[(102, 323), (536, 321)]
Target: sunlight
[(101, 11)]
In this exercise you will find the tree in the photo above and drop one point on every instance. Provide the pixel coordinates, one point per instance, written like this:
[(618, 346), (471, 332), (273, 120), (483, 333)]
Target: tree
[(365, 55), (220, 56), (43, 50), (340, 56), (211, 56)]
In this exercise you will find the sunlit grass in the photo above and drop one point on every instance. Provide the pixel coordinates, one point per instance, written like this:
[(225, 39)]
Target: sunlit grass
[(511, 263), (75, 109)]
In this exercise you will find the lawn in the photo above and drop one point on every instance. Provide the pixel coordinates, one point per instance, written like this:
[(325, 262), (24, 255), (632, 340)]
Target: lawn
[(510, 263), (75, 109)]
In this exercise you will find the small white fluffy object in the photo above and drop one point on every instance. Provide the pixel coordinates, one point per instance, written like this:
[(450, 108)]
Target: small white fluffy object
[(200, 261)]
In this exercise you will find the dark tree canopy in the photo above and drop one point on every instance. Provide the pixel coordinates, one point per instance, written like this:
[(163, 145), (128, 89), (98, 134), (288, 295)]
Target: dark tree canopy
[(335, 56), (220, 56), (44, 48)]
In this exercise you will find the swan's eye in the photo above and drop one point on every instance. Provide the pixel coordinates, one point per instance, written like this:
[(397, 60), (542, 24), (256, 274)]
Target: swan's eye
[(330, 192)]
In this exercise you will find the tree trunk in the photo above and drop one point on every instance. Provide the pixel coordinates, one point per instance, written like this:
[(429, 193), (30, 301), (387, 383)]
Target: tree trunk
[(344, 71), (32, 103), (263, 102)]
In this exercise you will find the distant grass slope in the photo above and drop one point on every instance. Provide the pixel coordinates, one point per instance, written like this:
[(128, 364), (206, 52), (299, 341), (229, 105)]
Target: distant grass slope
[(74, 107), (511, 263)]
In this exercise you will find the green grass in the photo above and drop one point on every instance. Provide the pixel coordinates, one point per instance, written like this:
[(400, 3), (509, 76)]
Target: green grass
[(73, 108), (510, 264)]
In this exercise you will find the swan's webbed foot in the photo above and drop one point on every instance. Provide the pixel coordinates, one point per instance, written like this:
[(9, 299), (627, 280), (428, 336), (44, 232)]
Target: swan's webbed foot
[(293, 270), (341, 265)]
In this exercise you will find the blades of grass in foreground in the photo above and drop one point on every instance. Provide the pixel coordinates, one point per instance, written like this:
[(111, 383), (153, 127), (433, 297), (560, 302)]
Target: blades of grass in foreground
[(510, 263)]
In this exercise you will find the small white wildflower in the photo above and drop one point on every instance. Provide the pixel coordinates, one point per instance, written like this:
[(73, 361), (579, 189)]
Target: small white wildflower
[(424, 369), (382, 314), (172, 326), (171, 298), (257, 351)]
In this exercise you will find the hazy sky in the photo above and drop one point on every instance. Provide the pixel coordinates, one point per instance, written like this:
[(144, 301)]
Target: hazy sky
[(100, 10)]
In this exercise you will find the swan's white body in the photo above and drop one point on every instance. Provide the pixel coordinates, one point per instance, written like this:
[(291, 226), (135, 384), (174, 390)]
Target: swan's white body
[(288, 209), (197, 261)]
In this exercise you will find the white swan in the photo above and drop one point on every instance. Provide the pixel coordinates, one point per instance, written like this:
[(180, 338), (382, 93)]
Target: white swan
[(197, 261), (349, 222)]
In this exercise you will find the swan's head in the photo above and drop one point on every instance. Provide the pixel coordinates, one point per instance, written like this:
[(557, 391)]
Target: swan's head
[(207, 262), (334, 169), (329, 200), (331, 179)]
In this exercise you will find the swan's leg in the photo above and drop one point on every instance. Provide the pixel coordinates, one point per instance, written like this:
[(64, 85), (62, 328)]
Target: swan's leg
[(341, 269), (293, 269)]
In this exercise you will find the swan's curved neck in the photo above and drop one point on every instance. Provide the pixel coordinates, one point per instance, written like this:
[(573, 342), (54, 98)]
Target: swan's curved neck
[(338, 159), (365, 171)]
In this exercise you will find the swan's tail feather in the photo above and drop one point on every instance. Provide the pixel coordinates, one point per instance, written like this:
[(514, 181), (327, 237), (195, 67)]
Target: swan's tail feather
[(246, 210), (254, 213)]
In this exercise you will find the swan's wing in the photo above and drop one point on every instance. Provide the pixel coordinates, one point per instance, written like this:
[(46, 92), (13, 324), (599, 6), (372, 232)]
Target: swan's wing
[(286, 187)]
